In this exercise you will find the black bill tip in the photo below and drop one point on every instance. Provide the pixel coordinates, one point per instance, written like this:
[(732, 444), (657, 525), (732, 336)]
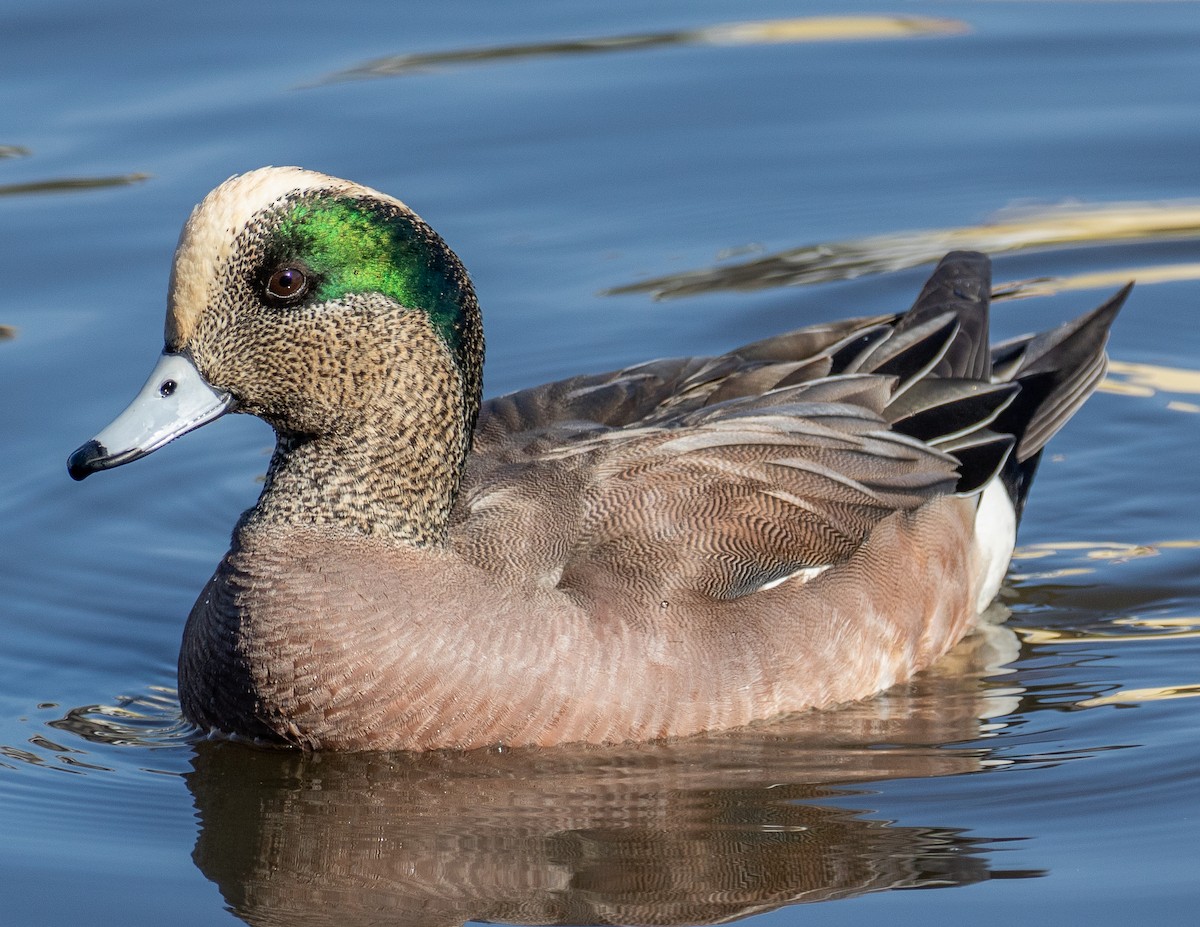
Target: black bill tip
[(87, 460)]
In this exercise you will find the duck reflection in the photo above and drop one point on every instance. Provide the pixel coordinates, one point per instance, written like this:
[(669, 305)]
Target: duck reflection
[(694, 831)]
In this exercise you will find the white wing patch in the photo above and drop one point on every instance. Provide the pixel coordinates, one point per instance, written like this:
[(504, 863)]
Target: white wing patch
[(804, 575)]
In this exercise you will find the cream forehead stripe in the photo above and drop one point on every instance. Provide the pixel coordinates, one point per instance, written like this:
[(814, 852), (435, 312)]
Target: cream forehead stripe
[(209, 234)]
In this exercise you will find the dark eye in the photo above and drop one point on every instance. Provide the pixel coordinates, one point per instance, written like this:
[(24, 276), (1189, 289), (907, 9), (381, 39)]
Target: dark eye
[(287, 284)]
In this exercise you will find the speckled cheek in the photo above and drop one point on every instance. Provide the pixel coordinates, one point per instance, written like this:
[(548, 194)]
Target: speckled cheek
[(302, 386)]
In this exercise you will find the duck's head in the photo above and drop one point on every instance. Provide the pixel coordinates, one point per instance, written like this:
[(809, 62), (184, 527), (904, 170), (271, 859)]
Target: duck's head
[(321, 306)]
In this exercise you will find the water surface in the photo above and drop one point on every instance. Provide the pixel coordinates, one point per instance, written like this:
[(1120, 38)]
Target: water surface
[(624, 180)]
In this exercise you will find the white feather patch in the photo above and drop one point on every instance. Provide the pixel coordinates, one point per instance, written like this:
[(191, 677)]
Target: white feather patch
[(803, 575), (995, 538)]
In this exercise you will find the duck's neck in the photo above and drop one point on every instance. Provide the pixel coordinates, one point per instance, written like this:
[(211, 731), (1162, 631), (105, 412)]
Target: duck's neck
[(382, 455), (394, 479)]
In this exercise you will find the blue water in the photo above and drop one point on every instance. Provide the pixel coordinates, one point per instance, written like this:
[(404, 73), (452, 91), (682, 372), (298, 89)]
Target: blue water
[(1052, 775)]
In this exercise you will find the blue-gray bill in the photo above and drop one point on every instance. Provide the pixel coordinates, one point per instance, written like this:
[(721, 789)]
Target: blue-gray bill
[(175, 400)]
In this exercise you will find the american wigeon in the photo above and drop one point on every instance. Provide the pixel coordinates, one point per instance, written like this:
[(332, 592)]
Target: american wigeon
[(684, 545)]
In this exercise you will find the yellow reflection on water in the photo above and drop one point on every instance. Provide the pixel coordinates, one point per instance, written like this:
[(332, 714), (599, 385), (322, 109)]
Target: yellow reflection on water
[(775, 31), (1134, 696), (1012, 230), (1129, 628), (1097, 280), (1061, 636), (1092, 550), (1160, 623), (1114, 552), (1155, 629), (1144, 380), (829, 29)]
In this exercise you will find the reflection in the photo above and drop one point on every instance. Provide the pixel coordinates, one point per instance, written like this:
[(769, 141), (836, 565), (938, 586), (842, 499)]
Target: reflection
[(1012, 230), (1188, 628), (35, 758), (1086, 556), (1097, 280), (9, 332), (1134, 629), (807, 29), (1116, 619), (700, 830), (1130, 379), (70, 184), (1137, 696), (149, 720), (305, 840)]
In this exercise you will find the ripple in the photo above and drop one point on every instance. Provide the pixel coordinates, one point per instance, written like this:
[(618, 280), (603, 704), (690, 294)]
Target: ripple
[(1100, 635), (1137, 696), (1088, 555), (71, 184), (1147, 380), (149, 721), (769, 32), (1014, 229)]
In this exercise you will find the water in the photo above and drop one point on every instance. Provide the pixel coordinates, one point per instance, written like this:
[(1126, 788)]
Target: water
[(1050, 771)]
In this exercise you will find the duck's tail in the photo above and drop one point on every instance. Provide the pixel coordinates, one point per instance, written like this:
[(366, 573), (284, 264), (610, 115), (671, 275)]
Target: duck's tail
[(993, 408), (1057, 371)]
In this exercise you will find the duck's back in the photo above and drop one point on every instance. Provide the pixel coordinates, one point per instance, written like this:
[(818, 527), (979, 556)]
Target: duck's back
[(767, 465)]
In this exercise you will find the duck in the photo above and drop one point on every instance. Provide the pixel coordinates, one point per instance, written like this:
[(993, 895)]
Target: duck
[(685, 545)]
